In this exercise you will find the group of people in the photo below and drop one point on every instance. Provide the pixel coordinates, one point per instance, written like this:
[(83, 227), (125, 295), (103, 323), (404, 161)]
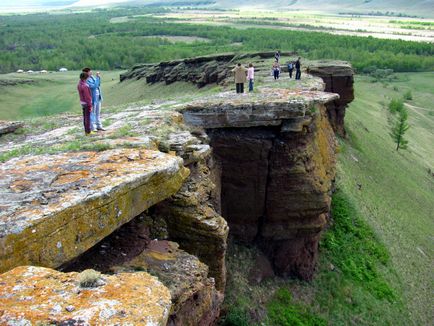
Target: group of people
[(275, 69), (242, 75), (89, 90)]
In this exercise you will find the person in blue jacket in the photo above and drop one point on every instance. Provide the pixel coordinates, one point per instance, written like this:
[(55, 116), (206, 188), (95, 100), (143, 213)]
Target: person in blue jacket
[(94, 84)]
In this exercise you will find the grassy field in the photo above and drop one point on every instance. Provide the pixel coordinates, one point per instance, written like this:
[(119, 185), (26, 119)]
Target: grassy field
[(397, 188), (405, 28), (49, 94)]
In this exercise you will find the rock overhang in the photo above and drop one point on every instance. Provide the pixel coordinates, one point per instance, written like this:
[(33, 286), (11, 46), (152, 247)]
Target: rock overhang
[(268, 107), (54, 207)]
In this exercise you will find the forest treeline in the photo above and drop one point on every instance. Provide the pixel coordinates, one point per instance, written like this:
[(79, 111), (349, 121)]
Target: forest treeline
[(74, 40)]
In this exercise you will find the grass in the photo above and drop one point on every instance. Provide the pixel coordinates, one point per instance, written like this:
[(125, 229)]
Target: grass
[(50, 94), (397, 194)]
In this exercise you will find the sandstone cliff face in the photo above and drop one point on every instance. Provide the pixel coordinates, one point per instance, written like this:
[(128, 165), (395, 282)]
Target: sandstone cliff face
[(338, 78), (277, 162)]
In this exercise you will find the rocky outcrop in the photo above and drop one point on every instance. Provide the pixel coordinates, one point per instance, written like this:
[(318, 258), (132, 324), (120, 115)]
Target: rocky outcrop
[(55, 207), (195, 300), (42, 296), (277, 165), (200, 71), (262, 163), (192, 214), (338, 78), (7, 127)]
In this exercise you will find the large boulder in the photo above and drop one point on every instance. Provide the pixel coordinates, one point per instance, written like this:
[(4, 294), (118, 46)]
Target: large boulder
[(55, 207), (7, 127), (195, 300), (42, 296)]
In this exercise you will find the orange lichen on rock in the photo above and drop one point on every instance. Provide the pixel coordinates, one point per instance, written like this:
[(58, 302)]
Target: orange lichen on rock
[(55, 207), (41, 296)]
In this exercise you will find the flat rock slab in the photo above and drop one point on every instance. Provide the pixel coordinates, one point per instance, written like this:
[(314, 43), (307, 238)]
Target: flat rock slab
[(7, 127), (269, 107), (41, 296), (55, 207)]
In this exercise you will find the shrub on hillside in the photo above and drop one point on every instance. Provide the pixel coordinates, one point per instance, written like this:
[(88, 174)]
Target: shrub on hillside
[(396, 105)]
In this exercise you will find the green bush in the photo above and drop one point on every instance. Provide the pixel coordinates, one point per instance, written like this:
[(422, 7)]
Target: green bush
[(355, 250), (283, 312), (236, 316), (408, 96), (396, 105)]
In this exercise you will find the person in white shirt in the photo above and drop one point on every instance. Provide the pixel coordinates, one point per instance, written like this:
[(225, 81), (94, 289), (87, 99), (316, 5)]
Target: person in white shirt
[(251, 76)]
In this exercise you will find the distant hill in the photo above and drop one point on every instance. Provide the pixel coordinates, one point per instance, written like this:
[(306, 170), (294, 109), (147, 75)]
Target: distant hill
[(414, 7)]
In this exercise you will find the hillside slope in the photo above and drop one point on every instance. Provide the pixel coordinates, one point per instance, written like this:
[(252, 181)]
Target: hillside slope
[(395, 190)]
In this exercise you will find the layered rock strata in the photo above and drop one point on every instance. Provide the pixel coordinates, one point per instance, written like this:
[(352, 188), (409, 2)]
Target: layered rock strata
[(42, 296), (277, 166), (55, 207), (338, 78), (192, 214), (200, 71)]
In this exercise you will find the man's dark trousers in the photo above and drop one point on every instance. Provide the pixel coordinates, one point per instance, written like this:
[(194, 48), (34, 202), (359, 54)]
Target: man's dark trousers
[(298, 74), (86, 118), (240, 87)]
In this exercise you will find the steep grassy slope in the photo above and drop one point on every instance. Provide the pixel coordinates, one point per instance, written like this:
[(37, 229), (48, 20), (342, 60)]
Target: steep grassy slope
[(397, 188)]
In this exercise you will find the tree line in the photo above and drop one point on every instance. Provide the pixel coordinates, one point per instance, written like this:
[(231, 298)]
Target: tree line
[(51, 41)]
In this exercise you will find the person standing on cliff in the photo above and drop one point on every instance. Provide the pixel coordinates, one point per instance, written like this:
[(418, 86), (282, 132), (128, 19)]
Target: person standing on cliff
[(298, 69), (290, 68), (85, 101), (95, 88), (277, 56), (276, 70), (240, 77), (251, 76)]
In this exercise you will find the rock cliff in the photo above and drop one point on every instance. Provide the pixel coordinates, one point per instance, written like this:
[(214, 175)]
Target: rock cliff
[(164, 187), (338, 78), (277, 161), (200, 71)]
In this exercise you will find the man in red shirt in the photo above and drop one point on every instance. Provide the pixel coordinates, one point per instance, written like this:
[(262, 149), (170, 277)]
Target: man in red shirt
[(85, 101)]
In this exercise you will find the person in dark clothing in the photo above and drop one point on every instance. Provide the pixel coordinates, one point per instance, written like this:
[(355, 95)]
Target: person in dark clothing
[(85, 101), (276, 70), (290, 68), (277, 56), (298, 69)]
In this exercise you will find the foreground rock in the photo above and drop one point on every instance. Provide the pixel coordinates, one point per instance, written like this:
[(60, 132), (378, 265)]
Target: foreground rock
[(7, 127), (42, 296), (55, 207), (195, 300)]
